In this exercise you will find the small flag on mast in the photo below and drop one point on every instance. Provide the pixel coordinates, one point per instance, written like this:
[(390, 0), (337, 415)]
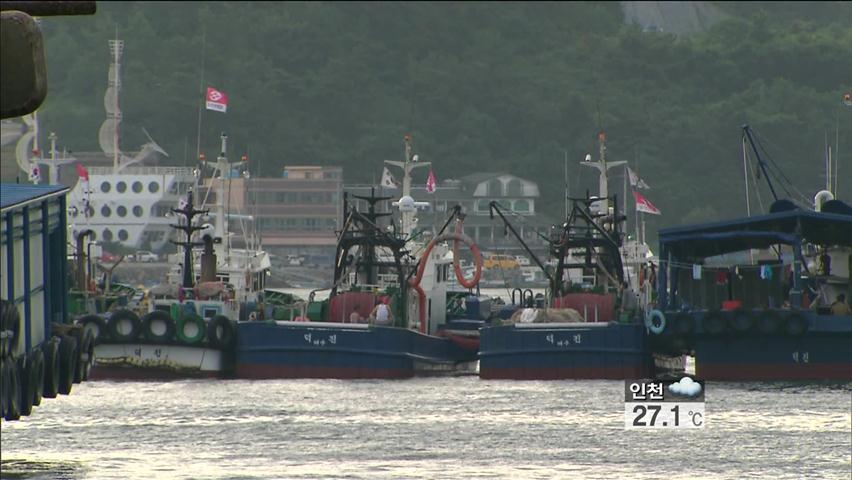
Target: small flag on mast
[(430, 182), (216, 100), (82, 172), (35, 173), (643, 205), (635, 181), (387, 179)]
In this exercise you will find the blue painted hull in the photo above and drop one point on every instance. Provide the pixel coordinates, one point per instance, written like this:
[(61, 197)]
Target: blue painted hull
[(753, 352), (811, 357), (311, 350), (545, 352)]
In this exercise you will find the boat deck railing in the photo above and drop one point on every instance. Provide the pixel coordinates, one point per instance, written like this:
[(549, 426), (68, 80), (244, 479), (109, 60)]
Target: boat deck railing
[(142, 170)]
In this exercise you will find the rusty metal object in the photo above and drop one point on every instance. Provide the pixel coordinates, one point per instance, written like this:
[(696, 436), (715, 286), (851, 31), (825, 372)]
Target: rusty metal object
[(50, 9), (23, 75)]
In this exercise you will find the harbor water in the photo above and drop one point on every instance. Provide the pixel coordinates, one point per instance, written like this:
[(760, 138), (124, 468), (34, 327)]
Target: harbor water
[(426, 428)]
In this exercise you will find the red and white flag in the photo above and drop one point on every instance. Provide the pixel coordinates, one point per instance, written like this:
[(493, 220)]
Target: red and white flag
[(643, 205), (82, 172), (216, 100), (430, 182)]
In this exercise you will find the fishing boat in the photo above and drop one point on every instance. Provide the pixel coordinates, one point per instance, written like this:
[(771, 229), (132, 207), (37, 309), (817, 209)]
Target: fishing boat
[(379, 268), (189, 325), (756, 298), (586, 326)]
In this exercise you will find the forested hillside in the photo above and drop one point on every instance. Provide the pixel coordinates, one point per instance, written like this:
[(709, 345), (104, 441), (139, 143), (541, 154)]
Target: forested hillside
[(482, 87)]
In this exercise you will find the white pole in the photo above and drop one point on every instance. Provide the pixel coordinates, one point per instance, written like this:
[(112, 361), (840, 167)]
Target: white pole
[(200, 100), (566, 182), (53, 173), (836, 149), (624, 201)]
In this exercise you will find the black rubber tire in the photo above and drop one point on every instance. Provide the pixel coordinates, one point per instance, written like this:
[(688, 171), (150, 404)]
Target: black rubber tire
[(4, 387), (186, 319), (13, 390), (52, 373), (67, 363), (37, 376), (714, 323), (221, 332), (152, 318), (684, 324), (11, 322), (85, 356), (26, 387), (97, 325), (3, 307), (741, 321), (117, 319), (795, 325), (769, 323)]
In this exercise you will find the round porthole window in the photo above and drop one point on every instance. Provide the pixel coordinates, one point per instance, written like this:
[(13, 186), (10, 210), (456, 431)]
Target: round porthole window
[(137, 187), (122, 235), (121, 187)]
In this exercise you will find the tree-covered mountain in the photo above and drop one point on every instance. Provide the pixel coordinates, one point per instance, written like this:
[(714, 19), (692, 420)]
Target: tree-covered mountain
[(482, 86)]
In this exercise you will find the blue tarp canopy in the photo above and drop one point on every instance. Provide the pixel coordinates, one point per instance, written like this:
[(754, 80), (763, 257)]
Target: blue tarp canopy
[(711, 239)]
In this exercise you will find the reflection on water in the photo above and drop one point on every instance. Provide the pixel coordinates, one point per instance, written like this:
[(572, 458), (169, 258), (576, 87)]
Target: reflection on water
[(59, 470), (426, 428)]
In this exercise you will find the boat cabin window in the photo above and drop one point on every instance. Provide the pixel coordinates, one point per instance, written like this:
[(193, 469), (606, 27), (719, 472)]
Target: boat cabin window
[(209, 311), (162, 308)]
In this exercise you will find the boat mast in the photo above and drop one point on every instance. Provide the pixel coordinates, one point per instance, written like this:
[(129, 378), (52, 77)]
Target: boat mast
[(602, 205), (116, 47), (747, 134), (201, 99), (408, 212), (223, 167)]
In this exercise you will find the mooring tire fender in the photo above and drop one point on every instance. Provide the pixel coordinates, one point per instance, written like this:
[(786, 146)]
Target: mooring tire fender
[(150, 319), (655, 322), (795, 324), (52, 370), (118, 318), (714, 323), (26, 389), (97, 325), (37, 375), (67, 363), (186, 320), (221, 332), (13, 390)]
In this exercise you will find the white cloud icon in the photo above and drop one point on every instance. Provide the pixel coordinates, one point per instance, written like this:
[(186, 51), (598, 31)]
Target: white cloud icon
[(686, 386)]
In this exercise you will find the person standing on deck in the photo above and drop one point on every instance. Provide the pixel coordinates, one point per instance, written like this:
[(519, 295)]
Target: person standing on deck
[(825, 263), (355, 317), (840, 307), (381, 314)]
